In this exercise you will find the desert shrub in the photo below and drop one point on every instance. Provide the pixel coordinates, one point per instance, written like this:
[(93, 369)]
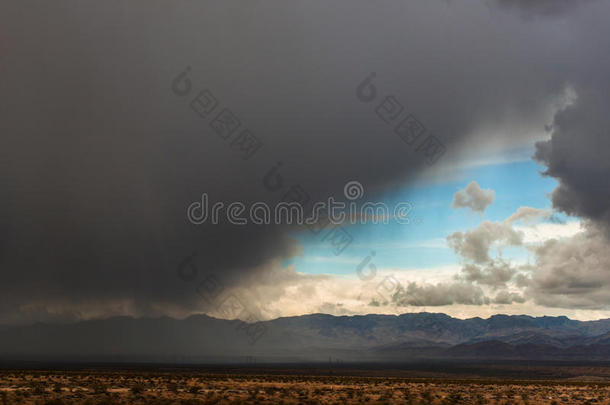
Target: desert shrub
[(480, 400), (37, 388), (108, 401), (160, 401), (54, 402), (387, 394), (191, 402), (99, 389), (453, 398), (427, 397), (409, 399)]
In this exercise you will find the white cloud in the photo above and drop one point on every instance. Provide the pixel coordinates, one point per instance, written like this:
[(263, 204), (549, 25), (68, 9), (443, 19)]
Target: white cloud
[(473, 197), (527, 215), (545, 231), (475, 244)]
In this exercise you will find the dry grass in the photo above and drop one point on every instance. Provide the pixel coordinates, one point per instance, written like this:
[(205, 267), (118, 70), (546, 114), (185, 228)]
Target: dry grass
[(97, 388)]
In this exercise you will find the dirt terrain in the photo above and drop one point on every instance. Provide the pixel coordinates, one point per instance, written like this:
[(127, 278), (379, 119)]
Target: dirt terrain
[(192, 388)]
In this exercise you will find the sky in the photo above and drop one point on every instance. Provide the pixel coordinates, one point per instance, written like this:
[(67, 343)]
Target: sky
[(420, 251), (422, 244), (488, 117)]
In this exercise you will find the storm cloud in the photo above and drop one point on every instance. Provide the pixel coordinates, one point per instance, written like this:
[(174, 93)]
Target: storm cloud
[(439, 294), (101, 157), (577, 156), (572, 272)]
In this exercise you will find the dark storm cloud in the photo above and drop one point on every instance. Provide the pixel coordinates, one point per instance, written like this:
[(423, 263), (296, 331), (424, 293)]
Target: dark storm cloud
[(100, 158), (572, 272), (577, 155)]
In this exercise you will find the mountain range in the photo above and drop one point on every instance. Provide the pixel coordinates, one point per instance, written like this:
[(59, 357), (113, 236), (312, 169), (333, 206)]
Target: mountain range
[(409, 337)]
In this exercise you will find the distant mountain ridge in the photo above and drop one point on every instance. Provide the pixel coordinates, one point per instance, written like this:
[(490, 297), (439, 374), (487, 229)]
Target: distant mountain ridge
[(316, 337)]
